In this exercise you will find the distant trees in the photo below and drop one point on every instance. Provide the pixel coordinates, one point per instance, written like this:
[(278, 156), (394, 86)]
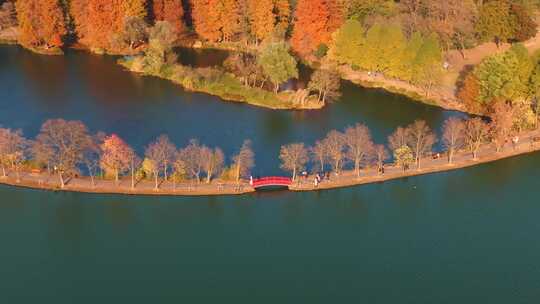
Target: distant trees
[(294, 158), (508, 77), (385, 49), (504, 20)]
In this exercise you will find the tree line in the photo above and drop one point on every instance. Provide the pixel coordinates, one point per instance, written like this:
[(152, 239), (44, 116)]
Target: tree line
[(409, 146), (67, 148), (307, 24)]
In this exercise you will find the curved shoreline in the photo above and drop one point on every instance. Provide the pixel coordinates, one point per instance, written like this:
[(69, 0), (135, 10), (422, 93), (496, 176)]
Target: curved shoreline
[(462, 159)]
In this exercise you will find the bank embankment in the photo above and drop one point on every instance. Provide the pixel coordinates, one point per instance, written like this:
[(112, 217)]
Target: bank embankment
[(528, 143), (48, 182)]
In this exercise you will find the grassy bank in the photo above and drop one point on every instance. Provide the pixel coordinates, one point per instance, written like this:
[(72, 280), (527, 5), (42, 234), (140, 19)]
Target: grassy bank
[(218, 83)]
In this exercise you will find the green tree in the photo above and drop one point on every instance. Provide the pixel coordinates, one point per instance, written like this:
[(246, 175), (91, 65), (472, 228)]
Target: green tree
[(403, 157), (347, 43), (277, 63), (362, 10), (383, 48), (427, 65)]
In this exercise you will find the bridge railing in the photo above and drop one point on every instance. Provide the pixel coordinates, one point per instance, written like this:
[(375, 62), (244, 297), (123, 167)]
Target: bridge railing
[(271, 181)]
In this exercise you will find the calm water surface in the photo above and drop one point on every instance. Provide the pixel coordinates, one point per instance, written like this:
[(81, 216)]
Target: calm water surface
[(469, 236)]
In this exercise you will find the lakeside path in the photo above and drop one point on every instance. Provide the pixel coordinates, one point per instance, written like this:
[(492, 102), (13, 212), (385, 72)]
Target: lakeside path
[(44, 181), (462, 159)]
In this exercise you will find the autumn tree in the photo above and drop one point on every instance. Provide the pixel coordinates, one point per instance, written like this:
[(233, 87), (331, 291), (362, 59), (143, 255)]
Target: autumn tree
[(243, 161), (476, 133), (171, 11), (453, 137), (312, 26), (326, 83), (262, 18), (334, 143), (135, 31), (66, 142), (381, 155), (360, 147), (398, 139), (421, 140), (8, 15), (404, 157), (501, 124), (319, 154), (348, 43), (193, 159), (294, 158), (277, 63), (116, 156), (159, 51), (212, 161), (161, 152), (100, 23), (13, 150), (41, 23), (92, 155)]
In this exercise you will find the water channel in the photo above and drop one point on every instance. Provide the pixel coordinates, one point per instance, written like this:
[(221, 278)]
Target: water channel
[(468, 236)]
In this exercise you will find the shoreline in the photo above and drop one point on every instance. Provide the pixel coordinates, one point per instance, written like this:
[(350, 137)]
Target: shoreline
[(251, 96), (462, 159)]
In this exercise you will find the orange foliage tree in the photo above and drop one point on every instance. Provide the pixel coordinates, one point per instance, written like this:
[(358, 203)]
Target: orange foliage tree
[(216, 20), (261, 18), (315, 21), (267, 16), (171, 11), (98, 21), (116, 156), (41, 23)]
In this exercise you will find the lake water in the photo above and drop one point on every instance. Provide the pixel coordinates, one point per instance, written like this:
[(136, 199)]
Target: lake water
[(469, 236)]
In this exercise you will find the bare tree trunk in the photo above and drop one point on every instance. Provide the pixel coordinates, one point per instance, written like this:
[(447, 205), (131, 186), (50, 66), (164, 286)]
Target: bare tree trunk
[(156, 180), (92, 180), (132, 176), (17, 172), (4, 175), (450, 155), (116, 176), (209, 177), (294, 174), (61, 180)]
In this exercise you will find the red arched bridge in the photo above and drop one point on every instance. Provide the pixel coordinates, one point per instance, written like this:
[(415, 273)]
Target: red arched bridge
[(271, 181)]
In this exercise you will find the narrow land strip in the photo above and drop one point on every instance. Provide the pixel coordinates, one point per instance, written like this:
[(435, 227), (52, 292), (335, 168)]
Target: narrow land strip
[(43, 181)]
